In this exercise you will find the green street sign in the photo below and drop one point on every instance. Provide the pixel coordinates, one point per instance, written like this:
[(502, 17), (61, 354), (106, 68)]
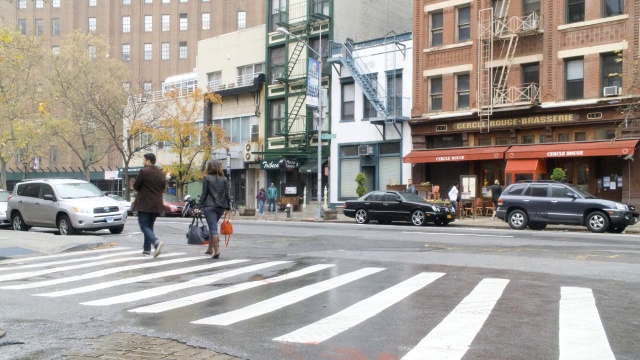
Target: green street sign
[(328, 136)]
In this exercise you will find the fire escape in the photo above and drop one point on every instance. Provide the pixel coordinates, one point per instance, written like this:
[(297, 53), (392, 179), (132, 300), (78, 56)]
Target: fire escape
[(308, 21), (385, 101), (498, 31)]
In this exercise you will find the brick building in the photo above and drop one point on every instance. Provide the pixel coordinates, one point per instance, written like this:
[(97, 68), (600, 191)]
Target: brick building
[(510, 90)]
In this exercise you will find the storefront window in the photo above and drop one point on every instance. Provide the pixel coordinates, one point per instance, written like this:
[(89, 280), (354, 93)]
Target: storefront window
[(582, 176), (484, 142), (502, 141), (580, 136), (605, 134), (563, 137), (528, 139), (438, 142)]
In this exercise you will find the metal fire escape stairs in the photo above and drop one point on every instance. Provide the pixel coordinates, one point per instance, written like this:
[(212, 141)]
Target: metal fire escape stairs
[(382, 100)]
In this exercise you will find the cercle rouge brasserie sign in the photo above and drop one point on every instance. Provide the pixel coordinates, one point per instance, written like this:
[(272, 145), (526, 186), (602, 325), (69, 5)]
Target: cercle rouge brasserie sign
[(520, 121)]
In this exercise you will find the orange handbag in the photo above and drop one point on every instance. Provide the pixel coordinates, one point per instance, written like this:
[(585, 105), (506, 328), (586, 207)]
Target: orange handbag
[(226, 228)]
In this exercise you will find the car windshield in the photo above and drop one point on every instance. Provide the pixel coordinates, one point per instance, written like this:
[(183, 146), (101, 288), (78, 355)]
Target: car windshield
[(580, 191), (4, 196), (116, 197), (78, 190), (170, 198), (409, 196)]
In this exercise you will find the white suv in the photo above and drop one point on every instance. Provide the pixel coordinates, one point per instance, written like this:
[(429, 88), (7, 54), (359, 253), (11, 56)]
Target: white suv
[(66, 204)]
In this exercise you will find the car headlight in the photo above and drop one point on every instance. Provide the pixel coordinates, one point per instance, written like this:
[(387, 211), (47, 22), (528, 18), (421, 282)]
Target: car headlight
[(120, 207), (621, 206), (82, 210)]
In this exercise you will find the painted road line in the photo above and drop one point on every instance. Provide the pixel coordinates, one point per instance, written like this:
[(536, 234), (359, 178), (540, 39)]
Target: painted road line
[(198, 298), (452, 234), (452, 337), (109, 284), (582, 335), (205, 280), (359, 312), (64, 254), (71, 261), (286, 299), (99, 273), (28, 274)]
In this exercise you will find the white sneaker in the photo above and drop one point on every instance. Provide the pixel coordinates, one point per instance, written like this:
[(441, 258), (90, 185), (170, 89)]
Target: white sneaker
[(158, 249)]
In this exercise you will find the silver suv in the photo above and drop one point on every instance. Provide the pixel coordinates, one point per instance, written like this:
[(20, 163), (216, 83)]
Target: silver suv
[(66, 204)]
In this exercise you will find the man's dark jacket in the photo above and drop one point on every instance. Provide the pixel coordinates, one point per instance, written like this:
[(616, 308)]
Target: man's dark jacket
[(150, 185)]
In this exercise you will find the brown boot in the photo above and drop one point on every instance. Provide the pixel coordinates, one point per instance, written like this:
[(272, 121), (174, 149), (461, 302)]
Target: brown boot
[(210, 248), (215, 242)]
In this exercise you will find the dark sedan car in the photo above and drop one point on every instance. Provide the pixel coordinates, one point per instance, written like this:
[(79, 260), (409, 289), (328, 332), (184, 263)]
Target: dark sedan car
[(388, 206)]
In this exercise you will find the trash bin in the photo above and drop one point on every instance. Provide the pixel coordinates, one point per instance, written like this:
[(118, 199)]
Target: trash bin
[(288, 210)]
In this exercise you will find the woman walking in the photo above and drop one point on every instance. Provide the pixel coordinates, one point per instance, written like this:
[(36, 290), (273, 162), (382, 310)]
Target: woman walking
[(214, 201), (496, 191)]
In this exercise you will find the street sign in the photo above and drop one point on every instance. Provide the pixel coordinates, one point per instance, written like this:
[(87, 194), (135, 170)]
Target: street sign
[(328, 136)]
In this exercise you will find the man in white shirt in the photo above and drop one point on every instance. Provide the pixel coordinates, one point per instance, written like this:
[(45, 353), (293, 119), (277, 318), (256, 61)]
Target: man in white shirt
[(453, 196)]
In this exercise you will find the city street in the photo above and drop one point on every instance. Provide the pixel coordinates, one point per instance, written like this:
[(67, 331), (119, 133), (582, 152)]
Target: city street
[(307, 290)]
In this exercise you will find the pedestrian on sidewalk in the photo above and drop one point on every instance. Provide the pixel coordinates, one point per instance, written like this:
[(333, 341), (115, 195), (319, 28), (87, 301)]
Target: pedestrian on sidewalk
[(454, 195), (150, 185), (214, 201), (496, 191), (272, 195), (262, 197), (411, 188)]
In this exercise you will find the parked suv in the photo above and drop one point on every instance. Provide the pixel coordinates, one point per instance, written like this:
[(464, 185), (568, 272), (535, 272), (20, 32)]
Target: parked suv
[(66, 204), (538, 203)]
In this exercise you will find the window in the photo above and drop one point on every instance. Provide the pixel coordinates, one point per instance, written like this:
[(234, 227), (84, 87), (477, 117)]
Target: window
[(462, 91), (55, 50), (278, 117), (92, 51), (166, 1), (53, 155), (394, 94), (182, 50), (537, 190), (542, 139), (165, 50), (55, 3), (242, 20), (527, 139), (55, 26), (348, 100), (484, 142), (126, 86), (563, 137), (247, 72), (92, 24), (148, 23), (184, 23), (277, 58), (126, 24), (464, 24), (39, 4), (436, 94), (502, 141), (530, 80), (612, 7), (166, 22), (22, 25), (126, 2), (214, 80), (38, 26), (436, 29), (368, 111), (148, 1), (279, 13), (148, 51), (147, 86), (559, 191), (574, 79), (575, 11), (184, 1), (206, 21), (580, 136), (126, 52), (611, 70), (93, 3), (605, 134), (22, 4), (530, 7)]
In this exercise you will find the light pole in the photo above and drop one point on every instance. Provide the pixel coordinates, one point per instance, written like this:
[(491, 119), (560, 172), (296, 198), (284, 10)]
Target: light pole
[(318, 211)]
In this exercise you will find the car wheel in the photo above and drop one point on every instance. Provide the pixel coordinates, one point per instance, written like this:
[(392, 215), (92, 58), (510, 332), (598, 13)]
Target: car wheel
[(117, 229), (617, 230), (362, 217), (597, 222), (537, 226), (418, 218), (18, 224), (65, 227), (518, 219)]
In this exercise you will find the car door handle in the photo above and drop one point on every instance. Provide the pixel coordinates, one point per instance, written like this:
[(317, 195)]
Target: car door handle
[(386, 204), (554, 201), (37, 203), (20, 202), (525, 200), (366, 203)]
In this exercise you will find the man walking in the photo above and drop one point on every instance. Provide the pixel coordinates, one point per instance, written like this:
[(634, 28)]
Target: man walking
[(150, 185), (453, 196), (272, 195), (496, 191), (410, 187)]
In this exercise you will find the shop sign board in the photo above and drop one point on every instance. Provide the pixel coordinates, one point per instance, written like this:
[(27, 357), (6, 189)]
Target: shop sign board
[(517, 122), (275, 164)]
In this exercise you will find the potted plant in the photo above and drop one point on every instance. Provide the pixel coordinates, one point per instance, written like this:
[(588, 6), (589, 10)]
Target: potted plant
[(558, 174), (394, 185), (423, 186), (360, 180)]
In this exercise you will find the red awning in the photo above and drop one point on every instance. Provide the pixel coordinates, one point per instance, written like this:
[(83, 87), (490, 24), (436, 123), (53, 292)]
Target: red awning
[(457, 154), (528, 166), (599, 148)]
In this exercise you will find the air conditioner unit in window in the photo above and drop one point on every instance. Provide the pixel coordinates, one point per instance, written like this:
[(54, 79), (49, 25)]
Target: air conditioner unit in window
[(248, 153), (277, 76), (365, 150), (612, 91)]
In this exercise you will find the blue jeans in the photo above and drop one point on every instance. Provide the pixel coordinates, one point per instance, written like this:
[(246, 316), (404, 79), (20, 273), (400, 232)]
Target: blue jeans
[(272, 202), (213, 214), (260, 206), (146, 221)]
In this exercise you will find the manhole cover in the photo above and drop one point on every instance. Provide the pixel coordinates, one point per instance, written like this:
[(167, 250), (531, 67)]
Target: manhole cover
[(14, 251)]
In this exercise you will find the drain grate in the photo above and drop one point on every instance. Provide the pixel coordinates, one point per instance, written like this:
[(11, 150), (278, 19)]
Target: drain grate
[(15, 251)]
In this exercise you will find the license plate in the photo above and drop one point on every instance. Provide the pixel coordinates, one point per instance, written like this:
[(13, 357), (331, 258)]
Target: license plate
[(109, 219), (448, 216)]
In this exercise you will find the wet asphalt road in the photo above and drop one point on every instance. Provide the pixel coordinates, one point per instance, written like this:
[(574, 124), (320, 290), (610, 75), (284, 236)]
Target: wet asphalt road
[(523, 323)]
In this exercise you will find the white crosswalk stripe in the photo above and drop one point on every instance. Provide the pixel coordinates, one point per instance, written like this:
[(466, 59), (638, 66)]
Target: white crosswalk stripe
[(205, 280), (28, 274), (453, 336), (197, 298), (62, 262), (355, 314), (108, 284), (60, 255), (581, 333), (286, 299)]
